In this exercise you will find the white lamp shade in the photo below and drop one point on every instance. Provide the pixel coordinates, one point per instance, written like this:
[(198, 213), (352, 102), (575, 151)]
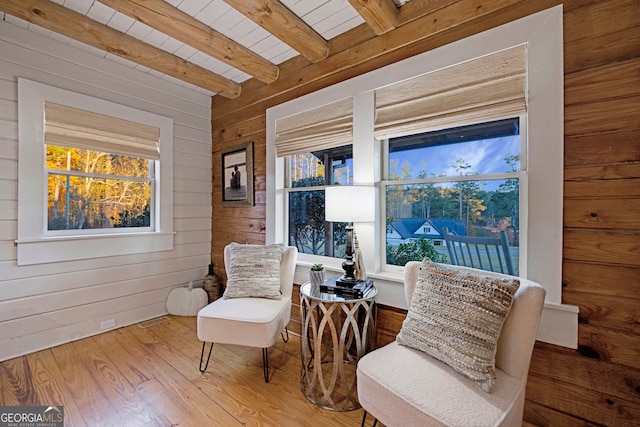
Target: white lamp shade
[(349, 203)]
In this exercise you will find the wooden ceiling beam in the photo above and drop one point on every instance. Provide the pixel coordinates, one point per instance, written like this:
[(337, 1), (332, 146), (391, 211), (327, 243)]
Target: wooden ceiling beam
[(64, 21), (380, 15), (175, 23), (274, 17)]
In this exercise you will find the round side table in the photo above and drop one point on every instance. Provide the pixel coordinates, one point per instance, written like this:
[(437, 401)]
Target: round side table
[(336, 332)]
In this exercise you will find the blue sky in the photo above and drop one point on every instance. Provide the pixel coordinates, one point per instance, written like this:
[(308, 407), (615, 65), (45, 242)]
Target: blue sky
[(485, 156)]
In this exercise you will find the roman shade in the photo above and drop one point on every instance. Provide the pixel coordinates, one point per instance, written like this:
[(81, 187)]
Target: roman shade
[(72, 127), (489, 88), (328, 126)]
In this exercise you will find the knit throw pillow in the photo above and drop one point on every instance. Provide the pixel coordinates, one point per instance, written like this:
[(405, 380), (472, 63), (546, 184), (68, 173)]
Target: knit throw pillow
[(254, 271), (456, 317)]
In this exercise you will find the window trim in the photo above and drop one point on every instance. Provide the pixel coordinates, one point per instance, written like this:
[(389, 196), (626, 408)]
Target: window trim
[(34, 245), (542, 204)]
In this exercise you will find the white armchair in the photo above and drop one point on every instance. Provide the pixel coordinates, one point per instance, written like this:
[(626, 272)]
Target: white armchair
[(246, 320), (401, 386)]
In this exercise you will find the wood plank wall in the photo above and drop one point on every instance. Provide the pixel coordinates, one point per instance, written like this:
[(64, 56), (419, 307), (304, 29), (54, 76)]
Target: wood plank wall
[(598, 384), (47, 304)]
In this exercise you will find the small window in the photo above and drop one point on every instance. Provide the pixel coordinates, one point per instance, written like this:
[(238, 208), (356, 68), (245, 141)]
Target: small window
[(309, 174), (97, 190), (95, 178)]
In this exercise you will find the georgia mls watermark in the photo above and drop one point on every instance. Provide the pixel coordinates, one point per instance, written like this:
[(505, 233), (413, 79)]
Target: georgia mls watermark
[(31, 416)]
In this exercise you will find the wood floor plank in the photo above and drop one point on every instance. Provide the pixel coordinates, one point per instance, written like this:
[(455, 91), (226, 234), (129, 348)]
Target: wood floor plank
[(202, 407), (149, 377), (17, 382), (170, 391), (234, 379), (255, 403), (50, 387), (171, 408), (120, 393), (170, 348), (122, 348), (93, 403)]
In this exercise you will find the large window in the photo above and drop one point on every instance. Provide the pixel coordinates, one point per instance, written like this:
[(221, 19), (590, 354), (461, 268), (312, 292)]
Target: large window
[(466, 179), (95, 178), (416, 97)]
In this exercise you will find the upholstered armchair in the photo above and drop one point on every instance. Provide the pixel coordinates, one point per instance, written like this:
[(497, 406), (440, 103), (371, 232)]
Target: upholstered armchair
[(256, 306), (402, 386)]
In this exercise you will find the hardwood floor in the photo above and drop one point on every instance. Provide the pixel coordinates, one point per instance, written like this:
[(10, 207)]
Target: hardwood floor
[(147, 375)]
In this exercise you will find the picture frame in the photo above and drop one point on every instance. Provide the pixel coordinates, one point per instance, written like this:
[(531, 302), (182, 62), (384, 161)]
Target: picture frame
[(237, 175)]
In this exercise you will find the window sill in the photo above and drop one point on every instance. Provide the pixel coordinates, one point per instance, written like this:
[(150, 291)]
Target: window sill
[(72, 248), (558, 325)]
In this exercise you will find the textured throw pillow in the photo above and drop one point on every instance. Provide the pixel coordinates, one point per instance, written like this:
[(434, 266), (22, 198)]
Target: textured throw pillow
[(254, 271), (456, 317)]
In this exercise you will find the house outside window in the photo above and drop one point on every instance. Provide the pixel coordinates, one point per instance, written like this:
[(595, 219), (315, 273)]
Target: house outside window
[(540, 222), (466, 179)]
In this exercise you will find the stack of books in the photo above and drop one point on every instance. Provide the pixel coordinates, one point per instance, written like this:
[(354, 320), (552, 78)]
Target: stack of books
[(357, 291)]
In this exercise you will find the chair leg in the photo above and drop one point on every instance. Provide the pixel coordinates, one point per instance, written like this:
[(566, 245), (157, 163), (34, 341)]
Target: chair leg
[(265, 364), (282, 335), (202, 357), (364, 419)]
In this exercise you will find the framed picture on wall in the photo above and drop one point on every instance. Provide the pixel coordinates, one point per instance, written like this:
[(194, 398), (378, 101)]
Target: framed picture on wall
[(237, 175)]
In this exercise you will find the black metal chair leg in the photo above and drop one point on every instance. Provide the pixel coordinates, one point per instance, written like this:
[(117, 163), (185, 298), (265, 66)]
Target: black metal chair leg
[(364, 419), (282, 335), (265, 364), (202, 357)]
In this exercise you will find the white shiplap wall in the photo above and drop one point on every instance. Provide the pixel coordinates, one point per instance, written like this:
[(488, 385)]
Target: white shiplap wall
[(48, 304)]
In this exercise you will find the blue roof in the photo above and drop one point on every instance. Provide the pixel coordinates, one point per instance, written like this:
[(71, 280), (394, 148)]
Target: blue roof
[(407, 227), (455, 226)]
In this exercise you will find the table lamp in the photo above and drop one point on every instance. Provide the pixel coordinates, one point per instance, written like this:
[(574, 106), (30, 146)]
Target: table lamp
[(349, 203)]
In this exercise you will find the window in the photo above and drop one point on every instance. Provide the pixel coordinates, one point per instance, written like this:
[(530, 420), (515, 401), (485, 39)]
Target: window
[(94, 178), (466, 179), (316, 146), (310, 173), (97, 190), (100, 172), (536, 39)]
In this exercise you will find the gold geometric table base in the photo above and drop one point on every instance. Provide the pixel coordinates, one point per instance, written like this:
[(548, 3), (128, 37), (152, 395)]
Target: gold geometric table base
[(336, 332)]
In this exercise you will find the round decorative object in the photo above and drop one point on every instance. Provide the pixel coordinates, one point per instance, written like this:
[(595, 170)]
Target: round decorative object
[(186, 301)]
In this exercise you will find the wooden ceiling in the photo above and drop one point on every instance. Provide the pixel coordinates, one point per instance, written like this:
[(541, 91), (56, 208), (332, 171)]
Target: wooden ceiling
[(210, 46)]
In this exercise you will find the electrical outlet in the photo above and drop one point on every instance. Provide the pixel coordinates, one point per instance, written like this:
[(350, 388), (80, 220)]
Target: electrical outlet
[(107, 324)]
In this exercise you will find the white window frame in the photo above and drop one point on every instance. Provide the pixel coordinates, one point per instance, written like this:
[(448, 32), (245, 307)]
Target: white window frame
[(35, 244), (541, 206)]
